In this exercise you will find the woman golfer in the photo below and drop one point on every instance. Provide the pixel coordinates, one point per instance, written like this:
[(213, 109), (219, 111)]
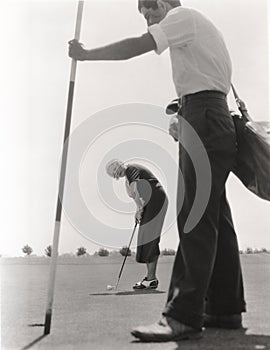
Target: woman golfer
[(152, 204)]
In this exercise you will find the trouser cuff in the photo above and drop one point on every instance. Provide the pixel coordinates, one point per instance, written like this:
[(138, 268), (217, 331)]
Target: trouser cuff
[(188, 318), (225, 308)]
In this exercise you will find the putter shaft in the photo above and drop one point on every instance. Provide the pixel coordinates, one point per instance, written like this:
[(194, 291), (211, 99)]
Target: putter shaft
[(120, 273)]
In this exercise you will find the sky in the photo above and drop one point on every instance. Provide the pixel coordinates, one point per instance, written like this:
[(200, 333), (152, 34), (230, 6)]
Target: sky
[(110, 102)]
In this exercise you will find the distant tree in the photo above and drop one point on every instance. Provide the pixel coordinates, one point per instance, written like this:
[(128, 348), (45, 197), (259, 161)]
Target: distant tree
[(81, 251), (249, 250), (264, 250), (125, 251), (27, 250), (48, 251), (168, 251), (103, 252), (240, 251)]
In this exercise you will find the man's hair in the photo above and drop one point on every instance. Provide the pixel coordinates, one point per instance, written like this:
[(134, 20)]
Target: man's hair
[(112, 165), (153, 4)]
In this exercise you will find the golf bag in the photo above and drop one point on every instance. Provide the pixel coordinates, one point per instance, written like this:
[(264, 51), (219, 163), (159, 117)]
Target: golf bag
[(252, 164)]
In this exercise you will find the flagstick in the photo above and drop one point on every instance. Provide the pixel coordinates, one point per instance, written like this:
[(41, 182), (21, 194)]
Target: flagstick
[(48, 316)]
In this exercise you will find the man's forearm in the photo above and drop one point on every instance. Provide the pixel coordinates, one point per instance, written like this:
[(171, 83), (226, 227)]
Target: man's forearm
[(122, 50)]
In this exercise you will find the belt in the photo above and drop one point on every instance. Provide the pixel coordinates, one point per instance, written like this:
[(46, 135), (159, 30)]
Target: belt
[(204, 94)]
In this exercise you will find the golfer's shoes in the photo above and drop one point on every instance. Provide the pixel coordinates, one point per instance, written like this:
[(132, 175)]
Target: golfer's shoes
[(145, 284)]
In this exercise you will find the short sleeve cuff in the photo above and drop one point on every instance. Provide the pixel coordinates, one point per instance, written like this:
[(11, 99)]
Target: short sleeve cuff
[(159, 37)]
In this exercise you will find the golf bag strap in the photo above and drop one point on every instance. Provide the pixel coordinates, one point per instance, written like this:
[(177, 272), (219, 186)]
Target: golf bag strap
[(241, 104)]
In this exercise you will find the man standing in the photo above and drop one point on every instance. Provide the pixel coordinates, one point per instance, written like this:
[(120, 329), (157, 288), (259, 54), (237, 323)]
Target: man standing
[(206, 286)]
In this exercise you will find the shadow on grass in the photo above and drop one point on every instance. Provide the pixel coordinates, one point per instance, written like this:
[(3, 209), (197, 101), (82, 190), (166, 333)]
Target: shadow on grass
[(222, 339), (34, 342), (130, 292)]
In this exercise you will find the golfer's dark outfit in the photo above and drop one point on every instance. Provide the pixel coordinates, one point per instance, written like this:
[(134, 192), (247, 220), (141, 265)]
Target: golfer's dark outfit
[(207, 274), (156, 203)]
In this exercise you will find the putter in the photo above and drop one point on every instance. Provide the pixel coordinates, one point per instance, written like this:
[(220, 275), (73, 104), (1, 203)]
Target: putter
[(120, 273)]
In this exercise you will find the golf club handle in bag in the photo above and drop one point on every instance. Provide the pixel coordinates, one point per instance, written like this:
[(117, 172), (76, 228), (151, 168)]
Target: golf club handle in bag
[(241, 104), (252, 165)]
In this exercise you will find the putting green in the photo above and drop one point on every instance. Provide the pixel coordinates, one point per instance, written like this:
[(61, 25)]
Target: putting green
[(130, 292), (86, 316)]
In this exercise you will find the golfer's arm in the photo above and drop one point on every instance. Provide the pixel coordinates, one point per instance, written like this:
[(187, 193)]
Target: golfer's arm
[(138, 200), (129, 192), (122, 50)]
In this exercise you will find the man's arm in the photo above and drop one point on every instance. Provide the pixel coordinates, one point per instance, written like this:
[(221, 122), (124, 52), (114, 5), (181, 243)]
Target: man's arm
[(121, 50), (174, 128)]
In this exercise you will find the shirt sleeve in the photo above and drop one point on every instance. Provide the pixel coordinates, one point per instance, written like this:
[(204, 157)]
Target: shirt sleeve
[(132, 174), (177, 29)]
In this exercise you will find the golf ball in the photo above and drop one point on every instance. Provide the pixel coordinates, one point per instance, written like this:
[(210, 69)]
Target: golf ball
[(109, 287)]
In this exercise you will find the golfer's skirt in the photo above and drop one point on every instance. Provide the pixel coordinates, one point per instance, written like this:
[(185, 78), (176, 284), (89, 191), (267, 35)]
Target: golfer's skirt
[(151, 226)]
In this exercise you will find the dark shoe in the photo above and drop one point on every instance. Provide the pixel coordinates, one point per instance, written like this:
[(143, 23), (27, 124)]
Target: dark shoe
[(223, 321), (167, 329), (145, 284)]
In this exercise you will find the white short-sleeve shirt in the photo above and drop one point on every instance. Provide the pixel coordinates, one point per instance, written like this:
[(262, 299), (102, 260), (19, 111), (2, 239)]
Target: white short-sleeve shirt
[(199, 56)]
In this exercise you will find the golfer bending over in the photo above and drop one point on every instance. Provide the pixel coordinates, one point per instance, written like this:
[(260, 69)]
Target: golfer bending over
[(152, 203), (206, 277)]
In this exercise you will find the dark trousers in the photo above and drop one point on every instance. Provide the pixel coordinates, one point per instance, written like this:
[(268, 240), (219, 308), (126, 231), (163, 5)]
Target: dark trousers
[(206, 275)]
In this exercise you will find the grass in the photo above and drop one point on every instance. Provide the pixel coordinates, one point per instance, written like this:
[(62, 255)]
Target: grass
[(84, 320)]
